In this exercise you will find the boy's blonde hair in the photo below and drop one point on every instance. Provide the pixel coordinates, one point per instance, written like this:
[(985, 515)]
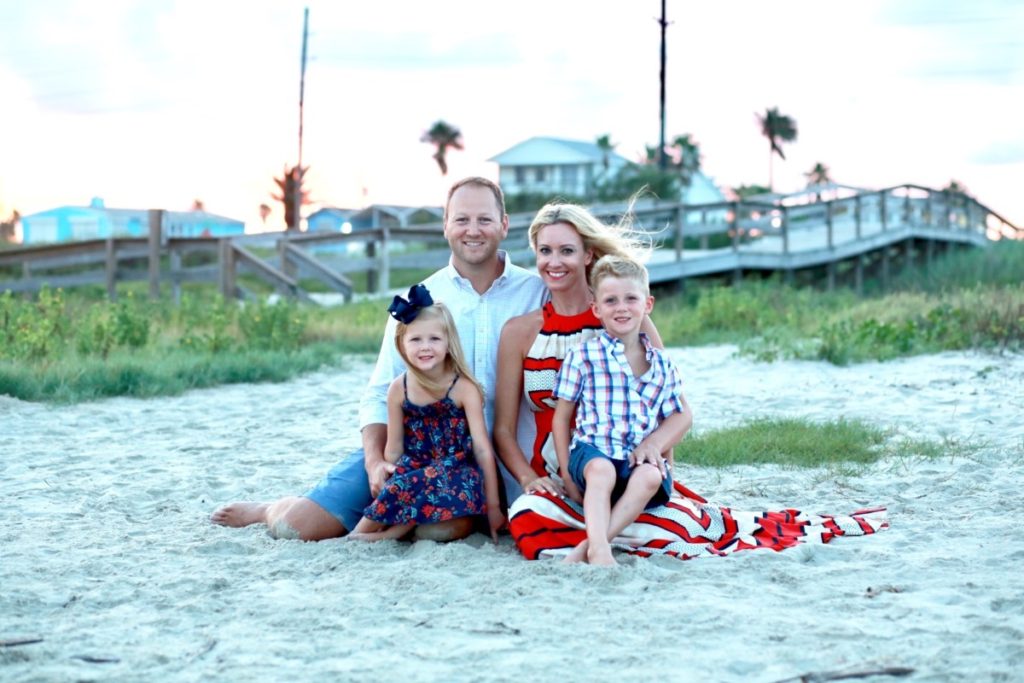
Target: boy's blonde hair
[(455, 360), (620, 267)]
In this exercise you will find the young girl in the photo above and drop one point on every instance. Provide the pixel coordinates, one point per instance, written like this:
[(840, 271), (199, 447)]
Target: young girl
[(435, 423)]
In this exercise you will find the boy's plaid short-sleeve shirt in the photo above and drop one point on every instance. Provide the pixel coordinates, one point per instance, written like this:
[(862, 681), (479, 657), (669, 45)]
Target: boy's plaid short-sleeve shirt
[(615, 410)]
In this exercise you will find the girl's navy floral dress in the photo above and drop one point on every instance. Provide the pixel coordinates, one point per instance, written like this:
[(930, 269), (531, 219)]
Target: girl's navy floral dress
[(437, 477)]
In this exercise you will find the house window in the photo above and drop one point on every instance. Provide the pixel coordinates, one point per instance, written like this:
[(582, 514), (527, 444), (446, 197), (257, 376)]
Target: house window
[(569, 177), (520, 175), (540, 174)]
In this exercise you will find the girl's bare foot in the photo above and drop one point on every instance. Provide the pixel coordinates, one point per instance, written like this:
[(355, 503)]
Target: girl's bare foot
[(241, 514)]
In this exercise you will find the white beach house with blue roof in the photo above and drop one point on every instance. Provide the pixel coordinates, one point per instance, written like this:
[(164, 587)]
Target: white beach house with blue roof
[(553, 166)]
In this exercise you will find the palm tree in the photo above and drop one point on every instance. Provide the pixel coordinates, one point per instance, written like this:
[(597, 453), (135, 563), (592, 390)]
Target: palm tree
[(819, 175), (197, 205), (955, 186), (443, 135), (264, 213), (7, 227), (956, 193), (686, 158), (605, 144), (778, 128), (292, 194)]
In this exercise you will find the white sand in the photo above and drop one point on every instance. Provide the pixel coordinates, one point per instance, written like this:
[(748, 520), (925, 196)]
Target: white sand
[(106, 552)]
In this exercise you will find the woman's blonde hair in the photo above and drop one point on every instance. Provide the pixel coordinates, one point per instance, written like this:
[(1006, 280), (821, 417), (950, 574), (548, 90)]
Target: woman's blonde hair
[(455, 360), (620, 239)]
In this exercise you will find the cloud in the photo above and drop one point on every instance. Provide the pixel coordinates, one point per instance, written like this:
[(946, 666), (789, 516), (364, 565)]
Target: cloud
[(977, 42), (998, 153), (390, 51)]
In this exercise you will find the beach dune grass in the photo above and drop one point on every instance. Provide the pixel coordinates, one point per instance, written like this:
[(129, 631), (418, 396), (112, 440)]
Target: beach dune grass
[(80, 346), (75, 379), (785, 441)]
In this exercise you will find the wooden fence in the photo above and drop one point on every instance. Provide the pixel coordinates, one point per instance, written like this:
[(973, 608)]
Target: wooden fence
[(691, 241)]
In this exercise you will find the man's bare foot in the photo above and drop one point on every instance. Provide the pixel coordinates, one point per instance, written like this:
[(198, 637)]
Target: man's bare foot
[(601, 555), (577, 554), (241, 514)]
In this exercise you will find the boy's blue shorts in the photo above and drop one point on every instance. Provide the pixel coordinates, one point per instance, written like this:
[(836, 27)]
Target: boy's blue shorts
[(582, 453)]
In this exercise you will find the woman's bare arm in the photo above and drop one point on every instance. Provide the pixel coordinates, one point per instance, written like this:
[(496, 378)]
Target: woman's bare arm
[(516, 337)]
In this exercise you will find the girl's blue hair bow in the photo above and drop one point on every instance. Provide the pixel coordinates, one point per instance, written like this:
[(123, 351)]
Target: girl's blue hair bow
[(405, 311)]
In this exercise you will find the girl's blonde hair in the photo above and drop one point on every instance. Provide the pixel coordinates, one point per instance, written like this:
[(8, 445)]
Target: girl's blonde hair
[(455, 361), (620, 239)]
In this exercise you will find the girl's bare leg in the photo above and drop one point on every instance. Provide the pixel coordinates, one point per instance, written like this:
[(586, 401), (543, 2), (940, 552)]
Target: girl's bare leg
[(382, 534)]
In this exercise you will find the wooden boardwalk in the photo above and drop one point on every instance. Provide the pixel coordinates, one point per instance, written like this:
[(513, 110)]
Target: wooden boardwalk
[(846, 231)]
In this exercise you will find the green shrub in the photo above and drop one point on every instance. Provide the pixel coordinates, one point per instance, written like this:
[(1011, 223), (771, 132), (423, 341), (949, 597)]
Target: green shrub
[(277, 326), (131, 323), (95, 335), (33, 330)]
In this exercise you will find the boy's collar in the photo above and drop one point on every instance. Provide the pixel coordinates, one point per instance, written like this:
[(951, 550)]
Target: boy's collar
[(612, 340)]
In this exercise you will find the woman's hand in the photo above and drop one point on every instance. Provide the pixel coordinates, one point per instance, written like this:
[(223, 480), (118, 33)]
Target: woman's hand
[(544, 485), (572, 490)]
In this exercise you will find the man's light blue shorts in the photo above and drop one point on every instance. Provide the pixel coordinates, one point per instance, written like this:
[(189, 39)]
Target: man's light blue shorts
[(344, 491)]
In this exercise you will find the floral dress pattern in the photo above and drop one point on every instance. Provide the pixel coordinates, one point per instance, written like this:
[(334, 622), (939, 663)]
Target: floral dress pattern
[(436, 478)]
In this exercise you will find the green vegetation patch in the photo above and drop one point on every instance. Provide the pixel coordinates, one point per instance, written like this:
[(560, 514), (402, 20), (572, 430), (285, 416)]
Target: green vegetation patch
[(786, 441), (967, 299), (76, 379), (74, 348)]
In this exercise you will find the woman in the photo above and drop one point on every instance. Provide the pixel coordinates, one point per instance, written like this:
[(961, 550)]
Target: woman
[(567, 239)]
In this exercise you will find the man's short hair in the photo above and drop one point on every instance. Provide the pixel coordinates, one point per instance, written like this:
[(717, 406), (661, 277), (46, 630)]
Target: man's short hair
[(477, 181), (621, 267)]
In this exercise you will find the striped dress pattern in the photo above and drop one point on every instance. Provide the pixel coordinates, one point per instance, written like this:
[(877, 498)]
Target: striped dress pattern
[(686, 527)]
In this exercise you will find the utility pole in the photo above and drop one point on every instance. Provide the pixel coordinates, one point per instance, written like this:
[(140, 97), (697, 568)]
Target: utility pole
[(662, 158), (297, 218)]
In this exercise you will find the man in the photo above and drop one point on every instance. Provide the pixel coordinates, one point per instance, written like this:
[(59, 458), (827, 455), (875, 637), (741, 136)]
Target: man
[(483, 289)]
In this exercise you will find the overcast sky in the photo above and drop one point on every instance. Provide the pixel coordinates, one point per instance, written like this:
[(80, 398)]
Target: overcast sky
[(155, 103)]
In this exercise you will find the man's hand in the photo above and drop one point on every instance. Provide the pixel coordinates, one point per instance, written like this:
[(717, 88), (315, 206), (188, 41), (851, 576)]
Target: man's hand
[(378, 475)]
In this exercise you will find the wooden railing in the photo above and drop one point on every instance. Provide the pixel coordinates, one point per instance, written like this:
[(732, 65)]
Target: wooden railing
[(690, 240)]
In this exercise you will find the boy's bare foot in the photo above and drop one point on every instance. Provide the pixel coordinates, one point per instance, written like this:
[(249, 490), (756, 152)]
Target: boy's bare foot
[(601, 555), (577, 554), (240, 514)]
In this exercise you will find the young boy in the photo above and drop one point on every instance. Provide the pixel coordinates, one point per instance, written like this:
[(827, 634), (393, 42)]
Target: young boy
[(629, 409)]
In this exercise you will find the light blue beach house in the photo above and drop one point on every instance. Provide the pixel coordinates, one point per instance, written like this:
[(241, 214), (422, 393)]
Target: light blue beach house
[(552, 166), (334, 219), (546, 165), (96, 221)]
